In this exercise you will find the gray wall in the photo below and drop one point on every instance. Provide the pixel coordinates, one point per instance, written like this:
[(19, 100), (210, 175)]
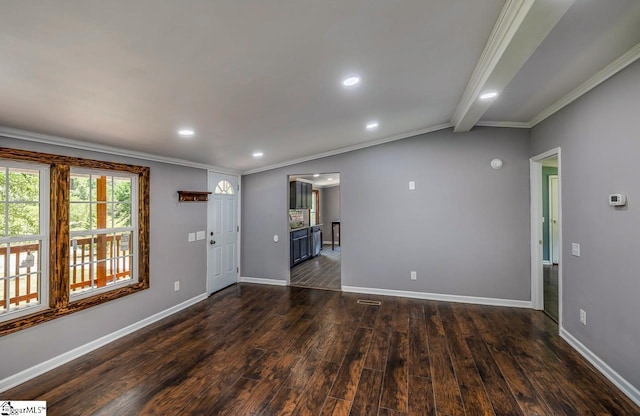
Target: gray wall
[(465, 229), (600, 145), (171, 258), (329, 209)]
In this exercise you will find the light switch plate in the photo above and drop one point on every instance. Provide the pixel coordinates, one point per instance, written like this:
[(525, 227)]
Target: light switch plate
[(412, 185), (575, 249), (200, 235), (192, 237)]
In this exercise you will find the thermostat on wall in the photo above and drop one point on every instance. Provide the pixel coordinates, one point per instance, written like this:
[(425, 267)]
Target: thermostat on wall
[(617, 200)]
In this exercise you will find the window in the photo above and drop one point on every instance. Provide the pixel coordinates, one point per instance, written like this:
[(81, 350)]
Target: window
[(23, 238), (74, 233), (102, 230), (224, 187)]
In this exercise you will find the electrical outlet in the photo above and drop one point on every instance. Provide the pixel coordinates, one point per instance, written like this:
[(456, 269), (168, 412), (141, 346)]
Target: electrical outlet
[(176, 286), (414, 275), (583, 317)]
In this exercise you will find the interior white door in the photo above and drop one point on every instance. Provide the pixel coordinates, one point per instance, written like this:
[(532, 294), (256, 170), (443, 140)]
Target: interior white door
[(554, 225), (222, 242)]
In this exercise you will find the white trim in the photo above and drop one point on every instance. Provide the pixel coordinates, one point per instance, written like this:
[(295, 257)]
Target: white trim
[(546, 262), (536, 242), (537, 289), (620, 382), (598, 78), (64, 358), (441, 297), (351, 148), (261, 281), (552, 244), (505, 124), (112, 150), (511, 17)]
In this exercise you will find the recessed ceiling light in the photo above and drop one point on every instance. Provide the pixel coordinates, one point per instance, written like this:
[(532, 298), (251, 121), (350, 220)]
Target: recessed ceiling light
[(316, 175), (258, 154), (186, 132), (372, 125), (329, 179), (488, 95), (351, 81)]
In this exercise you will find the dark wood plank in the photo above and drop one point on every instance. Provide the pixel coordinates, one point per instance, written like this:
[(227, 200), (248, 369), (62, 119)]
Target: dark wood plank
[(395, 381), (377, 355), (472, 386), (336, 407), (367, 396), (418, 349), (317, 389), (421, 399), (283, 403), (253, 349), (349, 373), (445, 385), (369, 317), (524, 392)]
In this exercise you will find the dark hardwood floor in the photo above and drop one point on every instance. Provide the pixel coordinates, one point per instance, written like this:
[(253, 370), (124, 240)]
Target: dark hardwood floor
[(320, 272), (267, 350), (550, 279)]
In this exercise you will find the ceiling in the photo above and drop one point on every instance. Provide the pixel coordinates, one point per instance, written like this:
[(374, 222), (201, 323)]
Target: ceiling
[(267, 76), (322, 180)]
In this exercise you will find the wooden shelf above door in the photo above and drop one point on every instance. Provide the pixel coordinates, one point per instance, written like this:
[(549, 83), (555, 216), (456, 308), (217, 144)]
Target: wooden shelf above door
[(193, 196)]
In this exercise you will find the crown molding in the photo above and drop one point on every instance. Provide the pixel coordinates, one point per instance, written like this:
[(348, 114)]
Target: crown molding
[(505, 124), (111, 150), (510, 19), (598, 78), (351, 148)]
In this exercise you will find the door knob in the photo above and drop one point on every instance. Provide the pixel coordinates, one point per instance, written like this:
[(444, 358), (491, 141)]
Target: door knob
[(212, 242)]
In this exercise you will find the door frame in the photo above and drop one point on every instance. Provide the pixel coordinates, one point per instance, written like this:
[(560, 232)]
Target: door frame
[(239, 220), (537, 284), (550, 223)]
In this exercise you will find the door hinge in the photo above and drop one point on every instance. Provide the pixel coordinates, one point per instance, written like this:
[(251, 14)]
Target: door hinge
[(238, 187), (238, 228), (237, 269)]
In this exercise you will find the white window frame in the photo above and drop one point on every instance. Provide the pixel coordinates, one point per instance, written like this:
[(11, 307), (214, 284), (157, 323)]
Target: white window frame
[(134, 229), (43, 237)]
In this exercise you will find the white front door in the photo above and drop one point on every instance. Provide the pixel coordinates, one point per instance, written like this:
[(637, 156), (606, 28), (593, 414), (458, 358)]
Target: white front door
[(222, 233), (554, 225)]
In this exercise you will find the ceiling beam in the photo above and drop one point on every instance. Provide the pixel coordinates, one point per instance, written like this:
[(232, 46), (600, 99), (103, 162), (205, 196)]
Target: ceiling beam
[(520, 29)]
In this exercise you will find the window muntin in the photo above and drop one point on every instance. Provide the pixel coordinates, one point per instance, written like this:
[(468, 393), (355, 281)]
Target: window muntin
[(23, 238), (224, 187), (103, 231)]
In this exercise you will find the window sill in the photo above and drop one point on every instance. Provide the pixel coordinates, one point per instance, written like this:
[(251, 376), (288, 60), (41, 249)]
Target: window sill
[(46, 315)]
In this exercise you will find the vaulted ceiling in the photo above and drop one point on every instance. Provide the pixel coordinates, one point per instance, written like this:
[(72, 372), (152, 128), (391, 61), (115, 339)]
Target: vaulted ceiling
[(266, 76)]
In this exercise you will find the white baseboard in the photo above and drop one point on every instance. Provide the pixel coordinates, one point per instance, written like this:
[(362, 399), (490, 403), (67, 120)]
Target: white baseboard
[(64, 358), (437, 296), (627, 388), (262, 281), (329, 243)]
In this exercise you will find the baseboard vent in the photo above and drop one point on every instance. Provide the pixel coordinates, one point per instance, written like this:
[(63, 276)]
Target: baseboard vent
[(369, 302)]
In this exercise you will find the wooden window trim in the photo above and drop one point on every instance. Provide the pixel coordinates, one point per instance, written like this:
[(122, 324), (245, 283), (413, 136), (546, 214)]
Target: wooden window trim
[(60, 169)]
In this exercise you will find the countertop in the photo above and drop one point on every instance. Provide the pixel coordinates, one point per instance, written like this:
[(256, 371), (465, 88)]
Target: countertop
[(305, 227)]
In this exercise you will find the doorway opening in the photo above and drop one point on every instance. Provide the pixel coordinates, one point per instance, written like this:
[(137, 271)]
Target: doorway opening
[(546, 234), (314, 223)]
